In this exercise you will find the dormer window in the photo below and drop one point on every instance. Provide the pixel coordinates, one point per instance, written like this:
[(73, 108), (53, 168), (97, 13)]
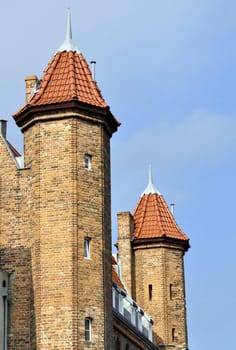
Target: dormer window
[(88, 161)]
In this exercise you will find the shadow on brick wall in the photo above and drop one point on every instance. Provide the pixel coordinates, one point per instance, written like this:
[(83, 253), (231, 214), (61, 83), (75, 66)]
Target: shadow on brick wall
[(17, 262)]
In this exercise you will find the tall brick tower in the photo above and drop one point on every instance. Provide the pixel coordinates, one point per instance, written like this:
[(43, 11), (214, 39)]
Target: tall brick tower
[(151, 248), (56, 240)]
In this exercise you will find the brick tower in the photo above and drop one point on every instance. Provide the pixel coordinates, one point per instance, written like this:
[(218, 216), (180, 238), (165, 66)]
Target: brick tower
[(56, 241), (151, 249)]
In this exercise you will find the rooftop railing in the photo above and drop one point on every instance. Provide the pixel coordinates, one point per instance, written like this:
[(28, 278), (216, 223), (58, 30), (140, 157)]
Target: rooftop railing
[(129, 309)]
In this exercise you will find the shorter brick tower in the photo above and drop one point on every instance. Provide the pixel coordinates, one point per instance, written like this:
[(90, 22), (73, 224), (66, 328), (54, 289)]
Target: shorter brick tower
[(151, 249)]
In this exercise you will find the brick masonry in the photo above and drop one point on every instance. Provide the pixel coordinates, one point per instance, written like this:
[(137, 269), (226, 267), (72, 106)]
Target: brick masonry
[(47, 209), (156, 265)]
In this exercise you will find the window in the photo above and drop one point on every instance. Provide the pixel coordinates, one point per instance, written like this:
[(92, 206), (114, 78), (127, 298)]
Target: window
[(173, 334), (88, 329), (127, 310), (87, 248), (5, 314), (150, 292), (117, 300), (87, 161), (171, 291)]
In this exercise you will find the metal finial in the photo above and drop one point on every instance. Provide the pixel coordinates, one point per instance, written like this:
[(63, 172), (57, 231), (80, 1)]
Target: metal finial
[(150, 187), (68, 44), (69, 30), (150, 174)]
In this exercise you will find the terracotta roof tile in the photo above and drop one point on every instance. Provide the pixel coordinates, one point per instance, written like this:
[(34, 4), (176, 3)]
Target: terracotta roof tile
[(67, 77), (13, 150), (153, 219), (115, 277), (113, 260)]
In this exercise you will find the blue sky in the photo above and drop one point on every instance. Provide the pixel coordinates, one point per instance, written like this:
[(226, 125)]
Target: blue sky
[(168, 71)]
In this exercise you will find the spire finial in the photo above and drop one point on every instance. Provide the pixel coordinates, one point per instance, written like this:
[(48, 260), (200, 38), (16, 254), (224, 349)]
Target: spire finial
[(150, 174), (69, 30), (68, 44), (150, 189)]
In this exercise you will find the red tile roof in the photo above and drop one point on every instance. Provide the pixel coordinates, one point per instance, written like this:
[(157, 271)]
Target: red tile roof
[(13, 150), (115, 277), (153, 219), (67, 78), (113, 260)]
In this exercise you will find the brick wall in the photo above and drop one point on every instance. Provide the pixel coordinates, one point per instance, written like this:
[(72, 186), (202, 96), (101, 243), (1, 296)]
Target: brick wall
[(125, 226), (161, 267), (46, 211)]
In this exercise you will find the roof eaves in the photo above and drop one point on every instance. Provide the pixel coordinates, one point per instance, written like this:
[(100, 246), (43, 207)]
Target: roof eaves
[(184, 243)]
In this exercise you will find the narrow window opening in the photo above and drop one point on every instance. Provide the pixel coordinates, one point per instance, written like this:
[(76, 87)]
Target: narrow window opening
[(5, 314), (171, 291), (87, 244), (150, 292), (88, 329), (88, 161), (173, 334)]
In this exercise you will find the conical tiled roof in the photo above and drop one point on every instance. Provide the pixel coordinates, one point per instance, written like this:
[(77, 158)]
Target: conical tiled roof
[(66, 79), (153, 218)]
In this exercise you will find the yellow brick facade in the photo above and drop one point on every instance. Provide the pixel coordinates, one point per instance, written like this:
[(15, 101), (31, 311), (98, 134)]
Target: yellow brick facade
[(50, 204), (157, 282), (47, 210)]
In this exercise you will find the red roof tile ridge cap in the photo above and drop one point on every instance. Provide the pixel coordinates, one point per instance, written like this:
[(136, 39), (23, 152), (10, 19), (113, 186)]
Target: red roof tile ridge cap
[(47, 73), (158, 198), (72, 74)]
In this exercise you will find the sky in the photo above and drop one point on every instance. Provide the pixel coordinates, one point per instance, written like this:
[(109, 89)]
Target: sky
[(167, 69)]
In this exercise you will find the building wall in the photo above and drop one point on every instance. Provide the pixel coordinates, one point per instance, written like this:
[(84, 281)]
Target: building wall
[(161, 267), (125, 256), (15, 254), (69, 203), (4, 299), (46, 211)]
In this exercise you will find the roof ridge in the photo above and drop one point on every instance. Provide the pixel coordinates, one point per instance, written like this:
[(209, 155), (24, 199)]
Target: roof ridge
[(158, 209), (72, 74)]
